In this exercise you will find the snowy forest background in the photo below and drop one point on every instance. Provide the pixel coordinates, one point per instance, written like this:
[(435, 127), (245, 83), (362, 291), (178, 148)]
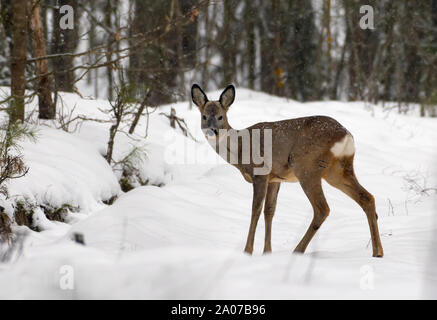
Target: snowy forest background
[(304, 50), (108, 188)]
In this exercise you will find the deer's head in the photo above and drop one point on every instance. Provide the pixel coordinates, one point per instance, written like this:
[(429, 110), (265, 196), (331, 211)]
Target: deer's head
[(213, 113)]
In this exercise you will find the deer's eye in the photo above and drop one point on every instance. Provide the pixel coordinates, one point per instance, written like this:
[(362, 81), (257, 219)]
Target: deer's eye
[(220, 118), (204, 117)]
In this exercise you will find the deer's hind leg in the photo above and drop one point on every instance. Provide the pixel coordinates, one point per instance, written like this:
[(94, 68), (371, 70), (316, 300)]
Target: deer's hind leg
[(312, 186), (341, 176)]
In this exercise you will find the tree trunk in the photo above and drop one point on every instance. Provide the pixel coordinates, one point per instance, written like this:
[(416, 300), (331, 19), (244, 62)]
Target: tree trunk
[(327, 22), (180, 52), (47, 110), (109, 51), (250, 34), (340, 65), (18, 61), (6, 18), (276, 62), (227, 45), (208, 37), (354, 63), (64, 41)]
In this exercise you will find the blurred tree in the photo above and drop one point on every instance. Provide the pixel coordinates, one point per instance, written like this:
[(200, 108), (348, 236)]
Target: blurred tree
[(18, 61), (47, 109), (250, 18), (305, 50), (5, 41), (64, 40), (159, 64)]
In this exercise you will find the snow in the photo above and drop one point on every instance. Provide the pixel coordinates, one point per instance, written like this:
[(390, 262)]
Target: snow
[(184, 240), (64, 169)]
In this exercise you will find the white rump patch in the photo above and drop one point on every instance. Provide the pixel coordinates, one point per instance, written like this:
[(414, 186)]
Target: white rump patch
[(345, 147)]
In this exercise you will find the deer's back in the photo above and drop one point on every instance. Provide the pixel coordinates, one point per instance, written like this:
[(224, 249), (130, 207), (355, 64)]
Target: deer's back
[(306, 132), (302, 142)]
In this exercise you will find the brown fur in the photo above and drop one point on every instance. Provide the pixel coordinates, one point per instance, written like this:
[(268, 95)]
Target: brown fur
[(300, 153)]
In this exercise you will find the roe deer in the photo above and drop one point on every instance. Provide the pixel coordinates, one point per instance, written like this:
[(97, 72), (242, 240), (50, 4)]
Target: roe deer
[(303, 150)]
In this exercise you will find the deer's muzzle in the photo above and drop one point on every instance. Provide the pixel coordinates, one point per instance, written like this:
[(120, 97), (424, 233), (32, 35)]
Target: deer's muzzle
[(210, 132)]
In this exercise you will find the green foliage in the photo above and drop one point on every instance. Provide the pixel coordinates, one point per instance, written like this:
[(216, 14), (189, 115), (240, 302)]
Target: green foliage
[(11, 162)]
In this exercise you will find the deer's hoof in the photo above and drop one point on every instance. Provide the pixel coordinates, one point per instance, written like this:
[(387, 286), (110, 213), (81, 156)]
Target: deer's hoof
[(248, 251), (299, 250)]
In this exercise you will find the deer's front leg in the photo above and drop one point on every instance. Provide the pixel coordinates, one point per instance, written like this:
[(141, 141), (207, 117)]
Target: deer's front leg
[(259, 194), (269, 211)]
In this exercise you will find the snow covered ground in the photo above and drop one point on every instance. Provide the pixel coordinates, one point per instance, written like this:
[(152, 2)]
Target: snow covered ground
[(184, 240)]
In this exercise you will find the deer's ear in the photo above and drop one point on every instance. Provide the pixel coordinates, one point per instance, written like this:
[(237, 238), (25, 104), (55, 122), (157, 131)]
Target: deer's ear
[(227, 97), (199, 97)]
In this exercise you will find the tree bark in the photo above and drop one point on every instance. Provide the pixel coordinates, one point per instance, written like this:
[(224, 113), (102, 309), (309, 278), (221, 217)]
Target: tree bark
[(64, 41), (340, 65), (180, 52), (327, 22), (139, 112), (6, 18), (47, 109), (18, 61), (228, 48), (109, 51), (276, 62), (251, 49)]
